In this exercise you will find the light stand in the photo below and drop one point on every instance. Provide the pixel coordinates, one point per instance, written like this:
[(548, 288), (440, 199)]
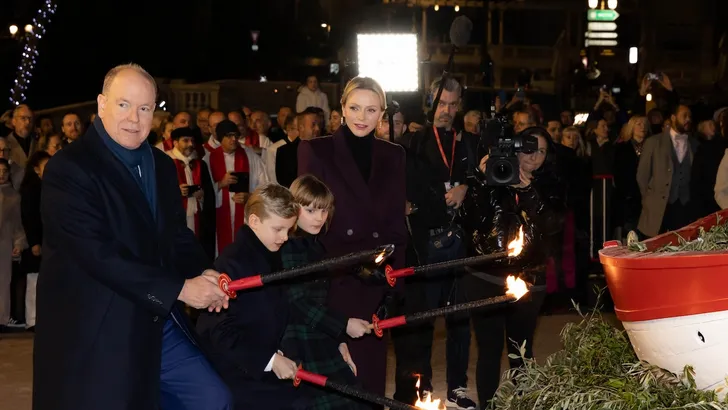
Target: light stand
[(392, 109)]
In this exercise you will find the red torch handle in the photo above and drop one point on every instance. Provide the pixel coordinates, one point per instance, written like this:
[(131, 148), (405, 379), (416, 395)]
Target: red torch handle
[(246, 283), (379, 325), (312, 378), (392, 274), (230, 287)]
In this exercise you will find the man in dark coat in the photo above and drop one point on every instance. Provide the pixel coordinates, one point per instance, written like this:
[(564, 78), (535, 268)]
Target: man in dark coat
[(287, 157), (117, 256)]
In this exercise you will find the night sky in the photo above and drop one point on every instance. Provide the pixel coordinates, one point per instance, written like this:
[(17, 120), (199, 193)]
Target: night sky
[(170, 38), (201, 40)]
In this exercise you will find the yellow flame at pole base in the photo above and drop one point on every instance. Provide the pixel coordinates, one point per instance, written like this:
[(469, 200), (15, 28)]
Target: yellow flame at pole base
[(516, 287), (515, 247), (428, 403)]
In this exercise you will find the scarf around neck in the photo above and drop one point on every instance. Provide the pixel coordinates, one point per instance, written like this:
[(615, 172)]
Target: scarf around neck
[(139, 162)]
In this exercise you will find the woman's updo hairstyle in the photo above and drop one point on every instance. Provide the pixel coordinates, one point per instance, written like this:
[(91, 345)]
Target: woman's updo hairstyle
[(364, 83)]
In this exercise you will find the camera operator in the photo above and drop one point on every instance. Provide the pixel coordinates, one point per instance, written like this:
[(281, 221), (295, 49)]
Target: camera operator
[(493, 214), (438, 158)]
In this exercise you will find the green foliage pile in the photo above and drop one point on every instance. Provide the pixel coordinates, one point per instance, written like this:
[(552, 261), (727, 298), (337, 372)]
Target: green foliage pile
[(716, 239), (598, 370)]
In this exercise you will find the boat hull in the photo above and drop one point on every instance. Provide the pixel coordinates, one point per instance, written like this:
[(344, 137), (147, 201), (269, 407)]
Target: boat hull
[(700, 341), (674, 305)]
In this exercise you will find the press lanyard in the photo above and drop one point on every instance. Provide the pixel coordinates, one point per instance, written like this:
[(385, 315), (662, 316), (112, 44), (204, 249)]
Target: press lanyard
[(442, 151)]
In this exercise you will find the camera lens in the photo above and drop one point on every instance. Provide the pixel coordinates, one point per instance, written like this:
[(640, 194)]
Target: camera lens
[(502, 172)]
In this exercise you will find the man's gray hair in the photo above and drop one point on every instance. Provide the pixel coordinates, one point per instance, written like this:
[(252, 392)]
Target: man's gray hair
[(20, 107), (111, 75), (452, 85)]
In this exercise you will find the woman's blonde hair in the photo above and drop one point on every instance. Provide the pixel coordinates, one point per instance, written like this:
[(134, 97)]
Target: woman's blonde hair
[(308, 190), (580, 148), (271, 199), (628, 128), (364, 83)]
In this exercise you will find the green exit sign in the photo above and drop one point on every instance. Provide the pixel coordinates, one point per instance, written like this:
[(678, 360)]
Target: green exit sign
[(602, 15)]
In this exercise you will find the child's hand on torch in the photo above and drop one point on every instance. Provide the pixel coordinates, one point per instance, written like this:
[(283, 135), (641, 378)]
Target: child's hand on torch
[(283, 367), (357, 328)]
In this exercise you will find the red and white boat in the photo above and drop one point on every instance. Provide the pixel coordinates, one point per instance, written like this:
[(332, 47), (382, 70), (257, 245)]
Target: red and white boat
[(674, 305)]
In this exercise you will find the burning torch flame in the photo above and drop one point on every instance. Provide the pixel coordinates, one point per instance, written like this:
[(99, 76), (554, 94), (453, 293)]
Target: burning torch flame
[(427, 403), (386, 252), (516, 246), (516, 287)]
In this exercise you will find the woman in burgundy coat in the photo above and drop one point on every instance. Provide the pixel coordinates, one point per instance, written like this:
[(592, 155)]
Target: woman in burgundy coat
[(367, 178)]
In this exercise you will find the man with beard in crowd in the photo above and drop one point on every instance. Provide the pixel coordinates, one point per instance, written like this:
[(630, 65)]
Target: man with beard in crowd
[(195, 184), (23, 140), (71, 127), (438, 158), (663, 175)]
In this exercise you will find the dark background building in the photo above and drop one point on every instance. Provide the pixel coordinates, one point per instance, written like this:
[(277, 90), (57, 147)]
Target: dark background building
[(211, 40)]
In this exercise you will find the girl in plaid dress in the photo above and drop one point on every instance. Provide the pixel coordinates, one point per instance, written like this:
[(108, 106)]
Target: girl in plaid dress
[(315, 335)]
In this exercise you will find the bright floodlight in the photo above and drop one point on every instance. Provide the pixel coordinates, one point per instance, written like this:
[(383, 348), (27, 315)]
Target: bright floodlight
[(612, 4), (633, 55), (13, 30), (391, 59), (28, 28), (593, 4)]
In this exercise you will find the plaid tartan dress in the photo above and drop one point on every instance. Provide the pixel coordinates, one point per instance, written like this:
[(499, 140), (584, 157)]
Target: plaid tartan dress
[(314, 332)]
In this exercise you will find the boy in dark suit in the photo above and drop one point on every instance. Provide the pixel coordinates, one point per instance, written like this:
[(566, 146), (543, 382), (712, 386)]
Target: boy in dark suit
[(246, 338)]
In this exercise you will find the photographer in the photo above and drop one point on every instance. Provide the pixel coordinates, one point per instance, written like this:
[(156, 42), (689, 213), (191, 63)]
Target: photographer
[(438, 158), (493, 215)]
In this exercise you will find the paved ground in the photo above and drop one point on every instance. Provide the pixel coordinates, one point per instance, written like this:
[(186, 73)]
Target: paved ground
[(16, 358)]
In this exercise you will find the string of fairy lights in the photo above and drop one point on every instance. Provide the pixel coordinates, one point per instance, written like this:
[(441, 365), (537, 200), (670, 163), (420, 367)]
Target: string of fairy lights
[(34, 33)]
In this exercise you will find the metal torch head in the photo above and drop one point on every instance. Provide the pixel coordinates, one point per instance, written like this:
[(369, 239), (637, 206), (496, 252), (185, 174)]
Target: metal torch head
[(383, 253)]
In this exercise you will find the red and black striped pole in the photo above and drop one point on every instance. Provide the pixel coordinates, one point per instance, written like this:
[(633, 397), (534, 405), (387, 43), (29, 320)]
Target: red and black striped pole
[(324, 381), (499, 301), (376, 256), (392, 275)]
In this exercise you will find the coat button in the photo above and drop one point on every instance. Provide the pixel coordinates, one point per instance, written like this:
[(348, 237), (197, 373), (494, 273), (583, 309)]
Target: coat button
[(350, 232), (155, 318), (375, 235)]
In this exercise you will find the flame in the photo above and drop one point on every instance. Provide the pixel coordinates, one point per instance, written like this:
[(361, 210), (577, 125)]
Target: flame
[(515, 247), (427, 403), (379, 258), (516, 287)]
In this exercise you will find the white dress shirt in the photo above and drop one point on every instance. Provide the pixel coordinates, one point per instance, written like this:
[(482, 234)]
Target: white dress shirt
[(680, 143)]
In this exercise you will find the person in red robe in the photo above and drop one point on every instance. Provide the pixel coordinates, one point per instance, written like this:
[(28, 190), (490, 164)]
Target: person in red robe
[(195, 183), (231, 172), (213, 142)]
